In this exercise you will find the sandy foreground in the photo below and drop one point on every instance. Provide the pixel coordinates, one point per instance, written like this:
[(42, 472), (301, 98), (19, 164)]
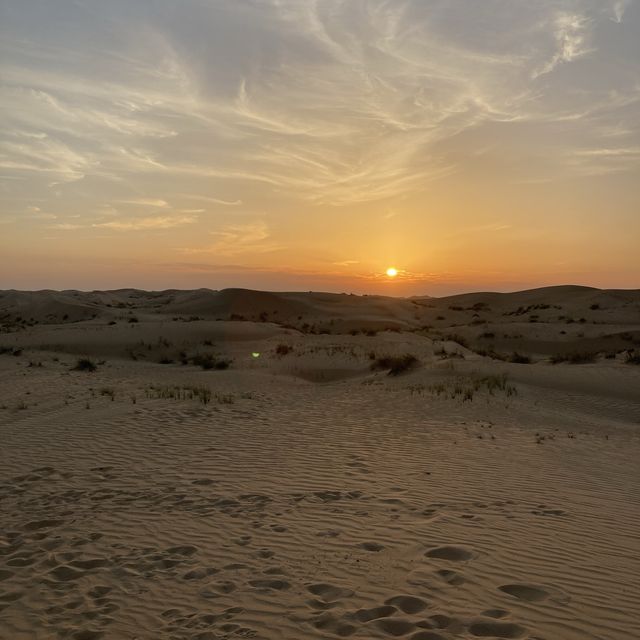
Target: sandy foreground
[(299, 493)]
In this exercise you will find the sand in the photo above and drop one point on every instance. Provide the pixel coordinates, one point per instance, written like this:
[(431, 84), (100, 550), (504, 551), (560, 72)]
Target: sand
[(299, 493)]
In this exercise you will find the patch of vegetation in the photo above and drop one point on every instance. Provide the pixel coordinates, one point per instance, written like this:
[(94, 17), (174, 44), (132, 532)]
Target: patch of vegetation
[(518, 358), (584, 357), (633, 357), (465, 388), (395, 364), (283, 349), (208, 361), (85, 364), (108, 391), (202, 394), (453, 337), (443, 354)]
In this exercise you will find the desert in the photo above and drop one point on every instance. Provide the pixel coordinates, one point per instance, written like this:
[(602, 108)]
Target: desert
[(243, 464)]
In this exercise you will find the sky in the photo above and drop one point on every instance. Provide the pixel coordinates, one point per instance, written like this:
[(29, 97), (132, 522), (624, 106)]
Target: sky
[(312, 144)]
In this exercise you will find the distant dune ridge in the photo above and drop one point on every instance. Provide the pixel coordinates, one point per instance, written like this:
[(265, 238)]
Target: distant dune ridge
[(243, 464)]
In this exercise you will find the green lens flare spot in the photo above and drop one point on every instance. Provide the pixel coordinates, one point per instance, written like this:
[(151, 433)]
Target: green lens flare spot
[(255, 354)]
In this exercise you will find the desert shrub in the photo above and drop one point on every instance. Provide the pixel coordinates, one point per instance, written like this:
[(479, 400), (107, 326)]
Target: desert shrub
[(584, 357), (518, 358), (632, 357), (447, 355), (133, 320), (165, 360), (283, 349), (487, 335), (108, 391), (111, 322), (395, 364), (594, 307), (452, 337), (203, 394), (85, 364), (208, 361)]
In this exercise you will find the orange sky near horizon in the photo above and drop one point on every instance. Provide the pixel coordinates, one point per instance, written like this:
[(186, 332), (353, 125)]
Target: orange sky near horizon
[(294, 145)]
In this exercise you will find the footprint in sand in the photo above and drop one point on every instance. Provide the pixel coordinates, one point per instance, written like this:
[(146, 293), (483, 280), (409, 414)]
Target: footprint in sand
[(407, 604), (394, 626), (182, 550), (93, 563), (329, 592), (36, 525), (336, 626), (366, 615), (495, 613), (276, 585), (528, 592), (427, 635), (451, 553), (493, 629), (199, 574), (65, 573)]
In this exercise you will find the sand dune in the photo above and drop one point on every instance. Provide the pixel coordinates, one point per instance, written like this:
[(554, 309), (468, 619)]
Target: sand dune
[(299, 491)]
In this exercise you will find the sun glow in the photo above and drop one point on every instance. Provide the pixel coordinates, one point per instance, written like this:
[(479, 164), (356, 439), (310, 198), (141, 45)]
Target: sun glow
[(392, 272)]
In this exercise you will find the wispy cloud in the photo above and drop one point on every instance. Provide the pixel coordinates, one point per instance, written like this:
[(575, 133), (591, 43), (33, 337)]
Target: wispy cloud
[(249, 238), (571, 32), (147, 223)]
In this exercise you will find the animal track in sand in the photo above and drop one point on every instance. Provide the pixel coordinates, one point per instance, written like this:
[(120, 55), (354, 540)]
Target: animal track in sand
[(451, 553), (528, 592)]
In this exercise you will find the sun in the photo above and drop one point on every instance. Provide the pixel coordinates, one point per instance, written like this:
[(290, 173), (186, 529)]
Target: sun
[(392, 272)]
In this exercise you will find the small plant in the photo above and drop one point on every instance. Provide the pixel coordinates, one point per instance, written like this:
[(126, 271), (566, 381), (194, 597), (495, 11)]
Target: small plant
[(585, 357), (203, 394), (85, 364), (108, 391), (283, 349), (632, 357), (395, 364), (133, 320), (518, 358)]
